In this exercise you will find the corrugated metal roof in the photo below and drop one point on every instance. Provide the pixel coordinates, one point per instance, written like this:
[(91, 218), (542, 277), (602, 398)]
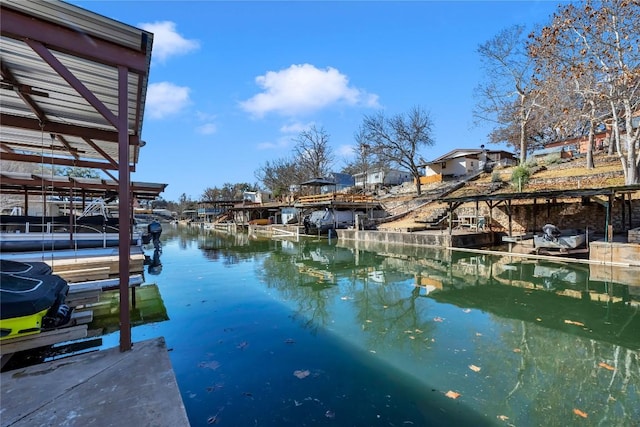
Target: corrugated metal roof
[(60, 74), (80, 19), (18, 182)]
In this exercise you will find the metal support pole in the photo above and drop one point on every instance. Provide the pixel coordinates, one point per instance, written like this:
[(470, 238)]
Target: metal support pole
[(124, 234), (510, 218), (477, 214)]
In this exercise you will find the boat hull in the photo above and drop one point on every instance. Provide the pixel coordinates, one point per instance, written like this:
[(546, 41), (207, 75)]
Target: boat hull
[(29, 304), (22, 242), (562, 242)]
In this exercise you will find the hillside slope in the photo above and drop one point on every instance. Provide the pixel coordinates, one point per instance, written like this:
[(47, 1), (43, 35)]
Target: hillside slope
[(547, 176)]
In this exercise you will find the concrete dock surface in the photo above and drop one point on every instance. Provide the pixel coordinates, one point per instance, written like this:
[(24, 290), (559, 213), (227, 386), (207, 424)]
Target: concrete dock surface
[(103, 388)]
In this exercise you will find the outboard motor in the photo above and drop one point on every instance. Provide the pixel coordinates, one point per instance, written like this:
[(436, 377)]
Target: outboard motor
[(307, 223), (551, 232), (155, 265), (57, 316), (155, 230)]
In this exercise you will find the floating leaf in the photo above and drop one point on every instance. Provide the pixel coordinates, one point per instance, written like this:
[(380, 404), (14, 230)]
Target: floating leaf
[(517, 350), (580, 413), (605, 366), (209, 365), (330, 414), (215, 387), (438, 319), (452, 394), (301, 374), (474, 368), (502, 417), (242, 345), (573, 322)]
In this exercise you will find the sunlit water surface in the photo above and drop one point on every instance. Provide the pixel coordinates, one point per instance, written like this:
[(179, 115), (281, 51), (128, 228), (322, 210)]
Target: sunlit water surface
[(281, 333)]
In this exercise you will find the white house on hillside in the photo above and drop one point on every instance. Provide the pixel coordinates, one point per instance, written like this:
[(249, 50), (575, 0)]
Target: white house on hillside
[(379, 177), (463, 162), (257, 196)]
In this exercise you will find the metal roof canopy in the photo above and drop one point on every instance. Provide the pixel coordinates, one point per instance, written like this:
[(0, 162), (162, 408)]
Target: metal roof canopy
[(494, 200), (64, 186), (550, 194), (73, 93), (60, 84)]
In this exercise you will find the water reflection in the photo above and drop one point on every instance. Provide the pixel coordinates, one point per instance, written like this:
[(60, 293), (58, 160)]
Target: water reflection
[(153, 263), (553, 294), (386, 331), (541, 331)]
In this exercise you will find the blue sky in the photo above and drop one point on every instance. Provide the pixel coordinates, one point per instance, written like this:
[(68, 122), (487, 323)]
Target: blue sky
[(232, 83)]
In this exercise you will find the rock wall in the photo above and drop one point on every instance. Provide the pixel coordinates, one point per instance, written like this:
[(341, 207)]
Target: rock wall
[(571, 214), (432, 238)]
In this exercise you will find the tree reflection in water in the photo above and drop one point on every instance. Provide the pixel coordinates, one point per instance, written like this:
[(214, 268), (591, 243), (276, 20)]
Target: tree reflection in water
[(546, 339)]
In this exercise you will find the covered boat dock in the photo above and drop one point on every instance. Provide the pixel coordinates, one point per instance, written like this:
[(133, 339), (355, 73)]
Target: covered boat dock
[(605, 197), (74, 86)]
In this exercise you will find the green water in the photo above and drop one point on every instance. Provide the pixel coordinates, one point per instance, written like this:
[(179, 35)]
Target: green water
[(280, 333)]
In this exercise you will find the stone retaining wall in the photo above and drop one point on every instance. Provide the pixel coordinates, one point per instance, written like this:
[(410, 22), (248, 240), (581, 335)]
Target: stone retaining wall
[(619, 253), (432, 238)]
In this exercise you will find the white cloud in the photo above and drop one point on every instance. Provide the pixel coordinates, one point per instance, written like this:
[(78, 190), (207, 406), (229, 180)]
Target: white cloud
[(166, 99), (207, 129), (296, 127), (204, 117), (283, 142), (302, 89), (166, 40)]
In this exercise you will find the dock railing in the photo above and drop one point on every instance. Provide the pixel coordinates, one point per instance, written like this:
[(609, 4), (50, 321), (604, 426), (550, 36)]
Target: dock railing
[(335, 197)]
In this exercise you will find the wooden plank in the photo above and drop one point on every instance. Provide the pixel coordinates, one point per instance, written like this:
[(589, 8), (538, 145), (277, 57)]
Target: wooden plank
[(81, 317), (59, 266), (79, 297), (134, 280), (86, 274), (42, 339)]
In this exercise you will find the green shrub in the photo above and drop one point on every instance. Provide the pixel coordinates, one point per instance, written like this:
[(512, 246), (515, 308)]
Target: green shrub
[(530, 163), (520, 177), (552, 159), (496, 177)]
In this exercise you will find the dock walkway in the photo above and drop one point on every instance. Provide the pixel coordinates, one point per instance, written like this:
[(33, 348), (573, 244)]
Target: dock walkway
[(103, 388)]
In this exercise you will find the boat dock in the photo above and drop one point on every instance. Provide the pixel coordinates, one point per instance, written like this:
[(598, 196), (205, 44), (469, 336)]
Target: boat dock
[(107, 388), (88, 272)]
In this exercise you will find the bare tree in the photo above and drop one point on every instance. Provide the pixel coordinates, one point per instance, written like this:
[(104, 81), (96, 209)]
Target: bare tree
[(313, 153), (571, 103), (397, 140), (279, 175), (599, 42), (508, 97), (364, 160), (570, 87)]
